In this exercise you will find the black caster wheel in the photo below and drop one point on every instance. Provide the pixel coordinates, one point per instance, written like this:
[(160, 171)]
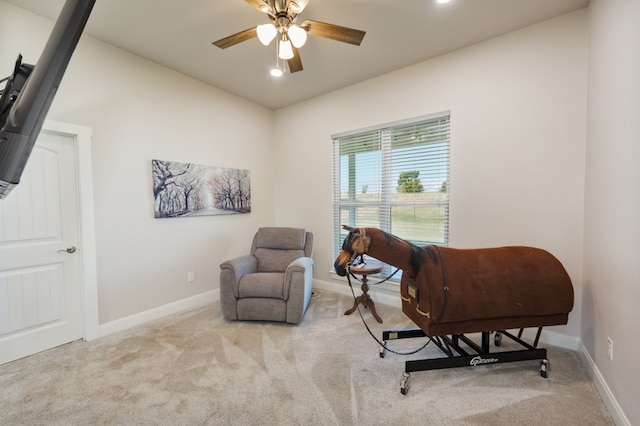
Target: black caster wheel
[(404, 383), (497, 339), (544, 368)]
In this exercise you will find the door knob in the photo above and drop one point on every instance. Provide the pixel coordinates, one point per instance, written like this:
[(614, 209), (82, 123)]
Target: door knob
[(71, 249)]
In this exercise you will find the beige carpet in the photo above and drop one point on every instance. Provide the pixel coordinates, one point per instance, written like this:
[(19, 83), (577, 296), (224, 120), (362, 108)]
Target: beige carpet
[(196, 368)]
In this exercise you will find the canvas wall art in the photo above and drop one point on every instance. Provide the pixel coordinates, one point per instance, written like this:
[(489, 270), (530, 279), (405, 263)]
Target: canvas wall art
[(187, 189)]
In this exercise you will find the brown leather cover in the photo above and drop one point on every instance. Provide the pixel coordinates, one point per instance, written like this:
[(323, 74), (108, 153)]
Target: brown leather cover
[(489, 289)]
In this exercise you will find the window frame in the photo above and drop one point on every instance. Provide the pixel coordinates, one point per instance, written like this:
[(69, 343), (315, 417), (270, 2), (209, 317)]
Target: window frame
[(385, 203)]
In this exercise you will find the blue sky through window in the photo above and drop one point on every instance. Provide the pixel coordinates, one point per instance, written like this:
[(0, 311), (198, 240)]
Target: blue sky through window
[(368, 173)]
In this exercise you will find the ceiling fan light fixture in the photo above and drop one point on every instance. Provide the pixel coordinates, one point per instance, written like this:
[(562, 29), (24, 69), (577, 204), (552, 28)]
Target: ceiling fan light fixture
[(295, 7), (297, 35), (266, 33), (290, 35), (285, 51)]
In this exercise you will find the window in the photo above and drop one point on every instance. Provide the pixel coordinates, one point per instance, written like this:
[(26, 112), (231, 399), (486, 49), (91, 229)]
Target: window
[(395, 178)]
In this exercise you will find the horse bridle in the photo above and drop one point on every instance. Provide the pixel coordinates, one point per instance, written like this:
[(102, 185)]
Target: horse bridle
[(351, 274)]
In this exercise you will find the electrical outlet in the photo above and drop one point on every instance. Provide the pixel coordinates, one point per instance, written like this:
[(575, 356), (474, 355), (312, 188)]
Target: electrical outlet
[(609, 348), (191, 277)]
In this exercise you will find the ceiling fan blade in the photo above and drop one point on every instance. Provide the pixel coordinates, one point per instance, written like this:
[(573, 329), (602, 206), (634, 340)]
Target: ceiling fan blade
[(295, 63), (234, 39), (334, 32)]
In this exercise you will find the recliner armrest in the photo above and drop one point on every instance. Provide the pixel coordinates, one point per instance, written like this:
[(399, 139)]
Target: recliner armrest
[(302, 262), (299, 272), (234, 269), (298, 284)]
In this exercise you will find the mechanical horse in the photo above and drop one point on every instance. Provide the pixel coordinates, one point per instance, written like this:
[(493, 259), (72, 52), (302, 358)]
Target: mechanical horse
[(448, 292)]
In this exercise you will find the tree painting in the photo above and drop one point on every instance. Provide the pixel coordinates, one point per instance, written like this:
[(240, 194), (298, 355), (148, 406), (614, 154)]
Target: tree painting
[(186, 189)]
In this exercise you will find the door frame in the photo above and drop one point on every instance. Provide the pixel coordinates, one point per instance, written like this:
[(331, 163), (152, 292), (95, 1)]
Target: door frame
[(86, 221)]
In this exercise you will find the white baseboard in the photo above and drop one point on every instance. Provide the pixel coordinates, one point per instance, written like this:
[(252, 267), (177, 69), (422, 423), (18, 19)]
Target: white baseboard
[(333, 287), (618, 416), (343, 288), (140, 318), (560, 340)]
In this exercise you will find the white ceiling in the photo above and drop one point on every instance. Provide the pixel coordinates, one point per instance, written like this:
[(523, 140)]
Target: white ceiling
[(178, 35)]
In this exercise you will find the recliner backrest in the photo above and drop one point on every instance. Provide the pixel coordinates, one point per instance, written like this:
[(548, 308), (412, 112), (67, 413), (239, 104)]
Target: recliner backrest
[(276, 247)]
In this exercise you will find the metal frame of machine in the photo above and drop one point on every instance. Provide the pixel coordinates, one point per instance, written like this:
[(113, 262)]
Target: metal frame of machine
[(469, 356)]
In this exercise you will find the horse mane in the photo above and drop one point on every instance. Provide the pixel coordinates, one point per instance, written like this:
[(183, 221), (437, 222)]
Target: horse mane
[(417, 255)]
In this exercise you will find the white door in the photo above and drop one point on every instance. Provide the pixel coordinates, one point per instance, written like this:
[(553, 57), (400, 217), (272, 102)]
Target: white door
[(40, 266)]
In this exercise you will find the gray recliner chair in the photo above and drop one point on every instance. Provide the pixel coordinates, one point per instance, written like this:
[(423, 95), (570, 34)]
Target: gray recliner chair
[(273, 282)]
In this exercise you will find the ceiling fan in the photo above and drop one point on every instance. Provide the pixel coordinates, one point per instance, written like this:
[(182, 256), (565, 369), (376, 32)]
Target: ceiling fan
[(290, 35)]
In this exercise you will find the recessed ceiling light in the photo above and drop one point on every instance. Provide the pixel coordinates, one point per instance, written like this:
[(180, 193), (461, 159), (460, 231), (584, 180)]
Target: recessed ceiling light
[(443, 1), (276, 72)]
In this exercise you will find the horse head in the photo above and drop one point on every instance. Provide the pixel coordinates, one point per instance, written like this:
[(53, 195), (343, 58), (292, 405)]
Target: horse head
[(356, 244)]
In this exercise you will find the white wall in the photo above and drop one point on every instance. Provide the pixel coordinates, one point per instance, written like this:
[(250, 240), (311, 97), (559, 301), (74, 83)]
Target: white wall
[(518, 123), (612, 205), (517, 104), (140, 111)]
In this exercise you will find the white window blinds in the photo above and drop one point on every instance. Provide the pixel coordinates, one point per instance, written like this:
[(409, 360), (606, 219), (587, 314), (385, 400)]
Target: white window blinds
[(395, 178)]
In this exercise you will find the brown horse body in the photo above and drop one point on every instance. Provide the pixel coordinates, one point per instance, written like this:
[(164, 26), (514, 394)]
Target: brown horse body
[(454, 291)]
